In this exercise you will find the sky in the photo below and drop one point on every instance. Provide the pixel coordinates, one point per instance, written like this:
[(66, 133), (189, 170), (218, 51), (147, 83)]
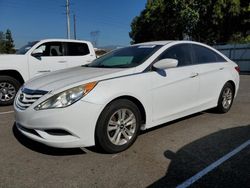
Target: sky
[(31, 20)]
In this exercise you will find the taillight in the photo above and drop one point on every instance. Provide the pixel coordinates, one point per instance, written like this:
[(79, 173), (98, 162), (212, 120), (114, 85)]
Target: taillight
[(237, 69)]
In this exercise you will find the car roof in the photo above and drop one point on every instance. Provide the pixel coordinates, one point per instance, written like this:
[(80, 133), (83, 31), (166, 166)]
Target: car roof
[(163, 42), (62, 40)]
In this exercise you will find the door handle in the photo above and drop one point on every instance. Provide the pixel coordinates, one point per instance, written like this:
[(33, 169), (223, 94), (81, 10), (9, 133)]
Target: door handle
[(194, 75), (221, 68), (43, 71), (62, 61)]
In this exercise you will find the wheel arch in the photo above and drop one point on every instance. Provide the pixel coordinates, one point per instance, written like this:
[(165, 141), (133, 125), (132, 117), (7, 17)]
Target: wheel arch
[(233, 84), (14, 74), (133, 99), (234, 88), (137, 103)]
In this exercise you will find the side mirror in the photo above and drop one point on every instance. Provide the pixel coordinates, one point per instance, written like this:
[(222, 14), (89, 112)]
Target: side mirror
[(37, 52), (166, 63)]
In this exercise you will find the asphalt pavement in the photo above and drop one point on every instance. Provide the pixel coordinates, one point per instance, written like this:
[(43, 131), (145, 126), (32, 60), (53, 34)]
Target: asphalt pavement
[(202, 150)]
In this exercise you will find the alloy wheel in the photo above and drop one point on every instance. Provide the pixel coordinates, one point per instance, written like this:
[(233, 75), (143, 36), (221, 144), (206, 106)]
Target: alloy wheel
[(121, 126), (227, 97), (7, 91)]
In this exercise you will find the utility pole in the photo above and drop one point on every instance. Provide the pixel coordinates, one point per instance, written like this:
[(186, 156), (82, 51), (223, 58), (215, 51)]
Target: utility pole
[(74, 26), (68, 19)]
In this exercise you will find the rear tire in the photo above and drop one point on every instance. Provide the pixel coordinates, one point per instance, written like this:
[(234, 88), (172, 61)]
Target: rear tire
[(8, 90), (118, 126), (226, 98)]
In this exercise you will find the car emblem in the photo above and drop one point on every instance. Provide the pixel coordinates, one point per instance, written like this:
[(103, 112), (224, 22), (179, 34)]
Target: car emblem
[(22, 97)]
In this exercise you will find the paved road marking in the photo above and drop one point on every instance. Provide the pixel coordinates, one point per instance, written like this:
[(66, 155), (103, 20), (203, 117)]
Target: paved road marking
[(212, 166), (8, 112)]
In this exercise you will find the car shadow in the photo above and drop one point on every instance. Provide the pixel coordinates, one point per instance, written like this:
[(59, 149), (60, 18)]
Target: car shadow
[(41, 148), (172, 122), (195, 156)]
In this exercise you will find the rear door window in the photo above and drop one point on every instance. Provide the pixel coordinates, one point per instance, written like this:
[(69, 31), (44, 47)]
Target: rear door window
[(205, 55), (77, 49)]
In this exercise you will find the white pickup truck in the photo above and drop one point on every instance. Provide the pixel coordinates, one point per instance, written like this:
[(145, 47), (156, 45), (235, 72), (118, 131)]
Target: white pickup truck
[(40, 57)]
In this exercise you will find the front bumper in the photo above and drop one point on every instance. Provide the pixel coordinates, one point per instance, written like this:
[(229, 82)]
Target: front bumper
[(76, 124)]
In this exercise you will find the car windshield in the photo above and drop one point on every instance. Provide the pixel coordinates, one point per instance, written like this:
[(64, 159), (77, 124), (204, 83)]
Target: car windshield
[(125, 57), (26, 48)]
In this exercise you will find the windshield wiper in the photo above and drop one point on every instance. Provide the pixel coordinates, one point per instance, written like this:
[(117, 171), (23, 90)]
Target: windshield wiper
[(124, 66), (105, 66), (99, 66)]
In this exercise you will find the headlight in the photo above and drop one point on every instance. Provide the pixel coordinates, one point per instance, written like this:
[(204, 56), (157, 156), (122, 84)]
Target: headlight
[(67, 97)]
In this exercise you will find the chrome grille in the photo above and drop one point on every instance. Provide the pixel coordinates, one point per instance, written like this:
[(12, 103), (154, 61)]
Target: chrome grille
[(27, 97)]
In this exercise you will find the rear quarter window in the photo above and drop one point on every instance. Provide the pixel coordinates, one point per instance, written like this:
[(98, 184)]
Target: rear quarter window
[(77, 49), (205, 55)]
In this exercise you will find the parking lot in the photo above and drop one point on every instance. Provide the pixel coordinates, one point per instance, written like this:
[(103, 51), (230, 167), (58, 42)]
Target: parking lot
[(166, 156)]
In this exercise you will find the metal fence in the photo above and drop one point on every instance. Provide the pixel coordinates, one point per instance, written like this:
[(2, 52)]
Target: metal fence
[(239, 53)]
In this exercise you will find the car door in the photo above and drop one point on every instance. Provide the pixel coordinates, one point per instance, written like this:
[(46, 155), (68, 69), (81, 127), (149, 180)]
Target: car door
[(78, 53), (50, 59), (210, 68), (174, 94)]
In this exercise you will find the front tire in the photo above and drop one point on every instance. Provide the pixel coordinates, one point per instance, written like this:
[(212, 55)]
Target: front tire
[(118, 126), (226, 98), (8, 89)]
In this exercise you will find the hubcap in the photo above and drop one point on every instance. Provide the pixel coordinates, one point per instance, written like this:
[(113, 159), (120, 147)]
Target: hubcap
[(7, 91), (227, 97), (121, 126)]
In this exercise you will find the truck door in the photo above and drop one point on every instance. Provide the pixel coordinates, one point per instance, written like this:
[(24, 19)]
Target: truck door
[(47, 57)]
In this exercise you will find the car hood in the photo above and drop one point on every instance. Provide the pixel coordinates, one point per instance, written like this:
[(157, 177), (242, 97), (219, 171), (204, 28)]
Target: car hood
[(7, 57), (72, 77), (12, 61), (10, 55)]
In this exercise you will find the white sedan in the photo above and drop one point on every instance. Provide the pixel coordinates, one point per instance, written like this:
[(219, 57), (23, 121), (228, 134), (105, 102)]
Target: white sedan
[(107, 102)]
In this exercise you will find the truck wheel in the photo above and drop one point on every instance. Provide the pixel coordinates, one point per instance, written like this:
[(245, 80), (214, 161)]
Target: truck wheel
[(8, 89)]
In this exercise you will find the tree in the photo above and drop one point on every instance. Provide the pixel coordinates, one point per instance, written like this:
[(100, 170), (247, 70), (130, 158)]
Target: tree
[(9, 44), (222, 19), (209, 21), (6, 42), (2, 42), (157, 21)]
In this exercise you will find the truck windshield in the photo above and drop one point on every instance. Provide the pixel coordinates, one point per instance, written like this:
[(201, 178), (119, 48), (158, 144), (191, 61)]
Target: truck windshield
[(26, 48), (125, 57)]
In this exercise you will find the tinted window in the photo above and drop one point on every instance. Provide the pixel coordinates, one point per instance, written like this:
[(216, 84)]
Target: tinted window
[(77, 49), (205, 55), (125, 57), (181, 52), (51, 49)]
